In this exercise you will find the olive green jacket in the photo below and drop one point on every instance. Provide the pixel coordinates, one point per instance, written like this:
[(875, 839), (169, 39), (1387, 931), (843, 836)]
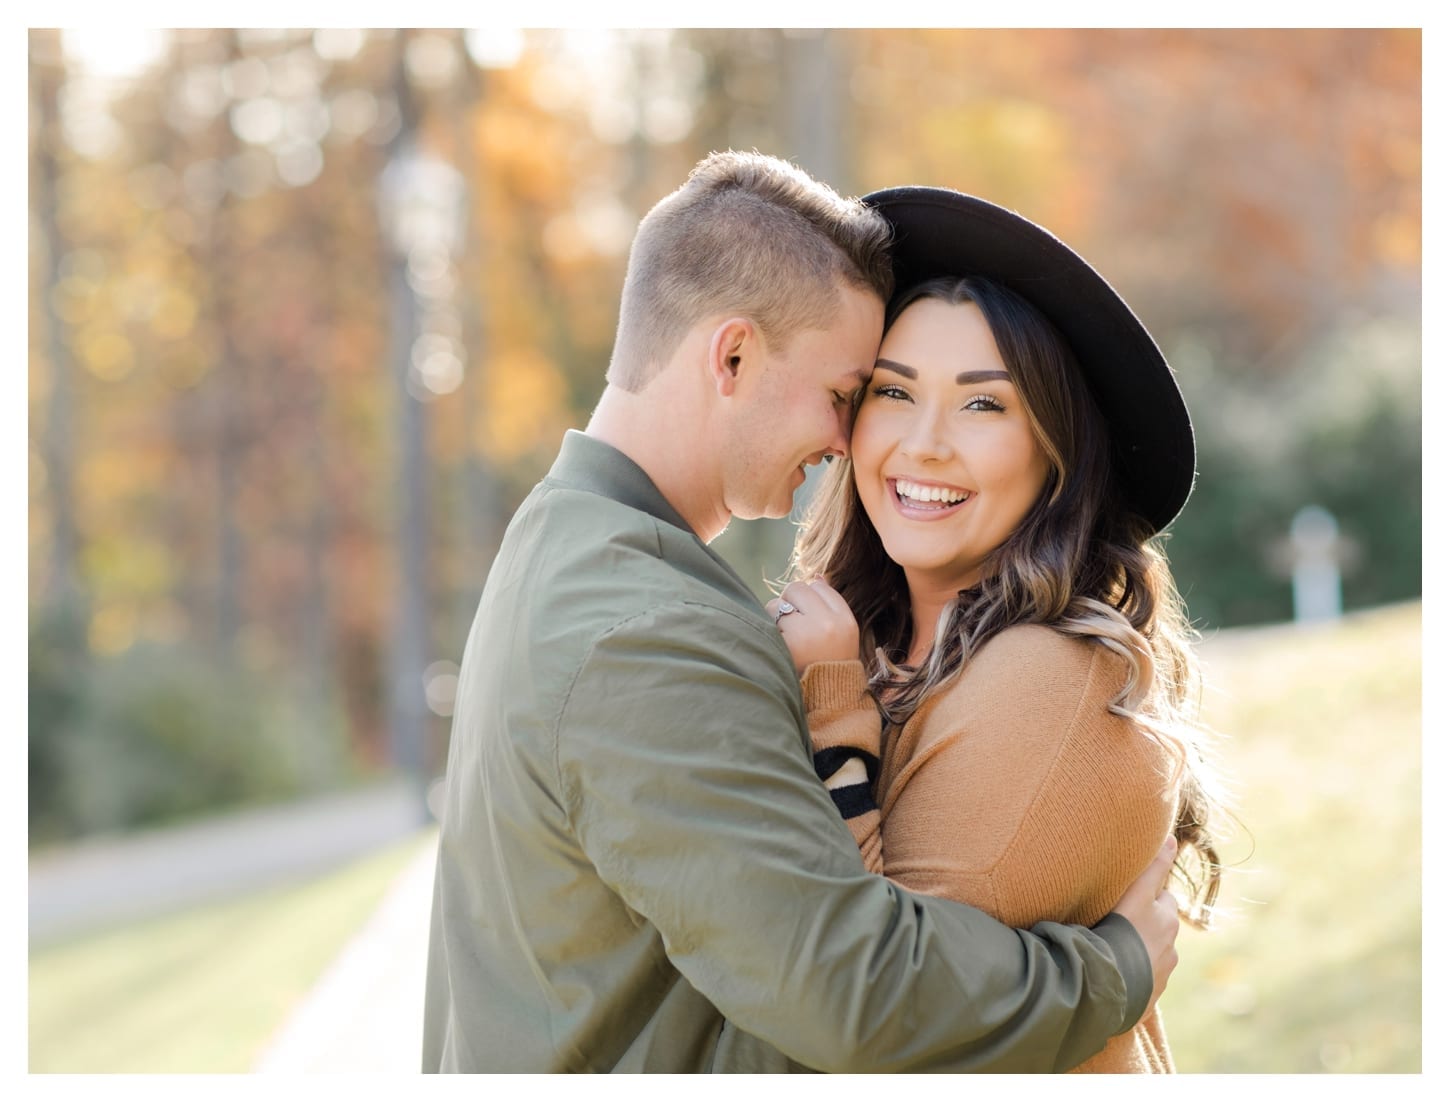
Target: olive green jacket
[(638, 869)]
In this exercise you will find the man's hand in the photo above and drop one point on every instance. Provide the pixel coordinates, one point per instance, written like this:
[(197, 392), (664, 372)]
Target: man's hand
[(1153, 911)]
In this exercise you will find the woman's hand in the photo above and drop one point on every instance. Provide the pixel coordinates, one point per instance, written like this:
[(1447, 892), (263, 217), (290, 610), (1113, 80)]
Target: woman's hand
[(816, 622)]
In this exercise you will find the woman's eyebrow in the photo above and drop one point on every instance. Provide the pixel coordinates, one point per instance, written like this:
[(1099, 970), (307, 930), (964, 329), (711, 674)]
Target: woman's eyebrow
[(967, 378)]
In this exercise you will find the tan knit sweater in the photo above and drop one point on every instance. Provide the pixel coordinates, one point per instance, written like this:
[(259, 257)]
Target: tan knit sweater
[(1012, 789)]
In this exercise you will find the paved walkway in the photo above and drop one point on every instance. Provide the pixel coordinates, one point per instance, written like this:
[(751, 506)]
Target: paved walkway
[(103, 882), (365, 1014)]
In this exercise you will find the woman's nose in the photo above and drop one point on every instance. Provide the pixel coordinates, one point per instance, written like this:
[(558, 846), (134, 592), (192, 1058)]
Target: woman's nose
[(925, 437)]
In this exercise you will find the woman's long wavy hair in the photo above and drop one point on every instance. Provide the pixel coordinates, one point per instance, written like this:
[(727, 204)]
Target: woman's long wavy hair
[(1080, 562)]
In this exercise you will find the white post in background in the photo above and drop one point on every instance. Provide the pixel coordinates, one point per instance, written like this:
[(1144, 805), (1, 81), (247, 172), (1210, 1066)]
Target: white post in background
[(1314, 538)]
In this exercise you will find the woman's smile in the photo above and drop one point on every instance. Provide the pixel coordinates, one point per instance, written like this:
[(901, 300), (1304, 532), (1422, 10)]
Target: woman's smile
[(920, 500)]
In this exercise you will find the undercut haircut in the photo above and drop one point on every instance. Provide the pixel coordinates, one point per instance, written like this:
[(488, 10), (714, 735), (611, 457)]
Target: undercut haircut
[(746, 234)]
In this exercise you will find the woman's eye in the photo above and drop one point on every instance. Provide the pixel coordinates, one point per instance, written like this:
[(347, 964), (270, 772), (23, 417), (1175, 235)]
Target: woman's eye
[(984, 403), (889, 390)]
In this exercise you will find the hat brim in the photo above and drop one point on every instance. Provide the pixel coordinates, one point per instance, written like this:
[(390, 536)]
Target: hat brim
[(938, 231)]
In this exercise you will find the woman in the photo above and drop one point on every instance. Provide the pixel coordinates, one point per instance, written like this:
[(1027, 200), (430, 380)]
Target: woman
[(995, 660)]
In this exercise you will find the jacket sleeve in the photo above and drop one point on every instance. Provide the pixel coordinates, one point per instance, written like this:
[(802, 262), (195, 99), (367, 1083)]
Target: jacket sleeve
[(682, 761)]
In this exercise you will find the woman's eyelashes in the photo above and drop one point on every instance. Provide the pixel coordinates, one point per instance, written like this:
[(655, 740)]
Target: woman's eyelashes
[(891, 390), (978, 403)]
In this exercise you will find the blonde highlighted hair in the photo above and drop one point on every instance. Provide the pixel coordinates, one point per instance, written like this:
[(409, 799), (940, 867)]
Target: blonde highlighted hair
[(1081, 562)]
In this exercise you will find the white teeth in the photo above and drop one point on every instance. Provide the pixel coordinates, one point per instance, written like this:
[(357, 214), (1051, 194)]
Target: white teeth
[(929, 493)]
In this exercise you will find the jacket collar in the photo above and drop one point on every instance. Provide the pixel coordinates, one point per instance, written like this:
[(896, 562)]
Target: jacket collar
[(585, 463)]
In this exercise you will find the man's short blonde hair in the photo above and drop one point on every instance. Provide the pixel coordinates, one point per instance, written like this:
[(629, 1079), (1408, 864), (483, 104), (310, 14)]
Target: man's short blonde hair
[(746, 234)]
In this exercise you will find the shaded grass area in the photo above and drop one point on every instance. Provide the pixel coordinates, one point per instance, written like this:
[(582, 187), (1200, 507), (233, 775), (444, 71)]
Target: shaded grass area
[(1316, 964), (202, 990)]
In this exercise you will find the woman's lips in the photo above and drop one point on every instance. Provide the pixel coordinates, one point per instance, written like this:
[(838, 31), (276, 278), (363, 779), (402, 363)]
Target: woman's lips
[(925, 510)]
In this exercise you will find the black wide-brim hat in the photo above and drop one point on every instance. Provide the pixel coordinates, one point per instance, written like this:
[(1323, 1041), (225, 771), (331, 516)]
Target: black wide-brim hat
[(943, 232)]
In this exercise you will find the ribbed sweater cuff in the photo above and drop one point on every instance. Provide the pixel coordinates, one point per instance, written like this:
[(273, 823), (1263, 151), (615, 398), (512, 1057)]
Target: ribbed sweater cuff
[(838, 684), (1133, 964), (838, 707)]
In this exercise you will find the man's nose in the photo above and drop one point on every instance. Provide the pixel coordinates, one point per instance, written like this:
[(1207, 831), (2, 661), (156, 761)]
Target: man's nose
[(841, 445)]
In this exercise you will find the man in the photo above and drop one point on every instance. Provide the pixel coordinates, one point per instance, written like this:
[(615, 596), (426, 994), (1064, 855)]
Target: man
[(635, 848)]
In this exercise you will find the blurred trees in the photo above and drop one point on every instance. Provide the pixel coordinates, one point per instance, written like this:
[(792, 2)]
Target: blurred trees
[(1255, 195), (230, 358)]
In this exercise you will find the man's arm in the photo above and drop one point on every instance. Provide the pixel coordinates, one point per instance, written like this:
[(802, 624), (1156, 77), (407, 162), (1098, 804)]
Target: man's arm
[(689, 788)]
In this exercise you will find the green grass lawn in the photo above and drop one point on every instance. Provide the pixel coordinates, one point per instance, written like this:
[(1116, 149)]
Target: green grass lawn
[(202, 990), (1316, 965)]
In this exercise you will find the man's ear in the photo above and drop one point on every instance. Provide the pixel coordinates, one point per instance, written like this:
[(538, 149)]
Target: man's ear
[(731, 346)]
